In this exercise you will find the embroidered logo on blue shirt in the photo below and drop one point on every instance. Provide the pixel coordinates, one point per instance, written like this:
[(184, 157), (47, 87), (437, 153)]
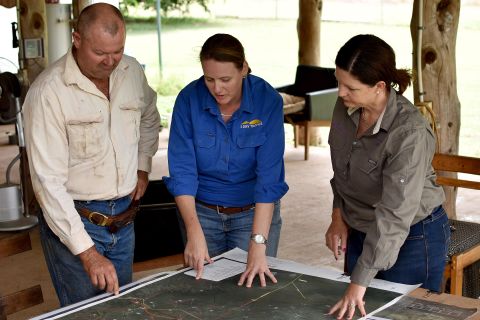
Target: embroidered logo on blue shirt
[(251, 124)]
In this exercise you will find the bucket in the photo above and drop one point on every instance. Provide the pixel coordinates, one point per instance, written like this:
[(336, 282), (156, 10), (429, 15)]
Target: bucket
[(11, 209)]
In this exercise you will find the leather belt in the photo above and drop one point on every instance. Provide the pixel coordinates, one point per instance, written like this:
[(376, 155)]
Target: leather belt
[(113, 223), (226, 210)]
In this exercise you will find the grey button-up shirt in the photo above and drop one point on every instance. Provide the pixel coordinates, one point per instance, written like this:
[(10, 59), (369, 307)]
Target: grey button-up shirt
[(384, 181)]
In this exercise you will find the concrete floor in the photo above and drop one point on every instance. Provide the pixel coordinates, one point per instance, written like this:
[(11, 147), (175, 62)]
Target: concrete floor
[(305, 210)]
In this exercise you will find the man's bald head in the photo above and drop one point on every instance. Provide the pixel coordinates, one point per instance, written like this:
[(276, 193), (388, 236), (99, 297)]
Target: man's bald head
[(102, 15)]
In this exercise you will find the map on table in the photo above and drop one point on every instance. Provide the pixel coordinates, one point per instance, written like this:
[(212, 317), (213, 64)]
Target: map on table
[(300, 293)]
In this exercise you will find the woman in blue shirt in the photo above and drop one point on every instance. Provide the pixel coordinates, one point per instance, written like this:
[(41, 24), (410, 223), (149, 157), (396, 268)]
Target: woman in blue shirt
[(226, 161)]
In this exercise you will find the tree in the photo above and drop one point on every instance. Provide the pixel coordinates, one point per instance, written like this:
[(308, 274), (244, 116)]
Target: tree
[(440, 20)]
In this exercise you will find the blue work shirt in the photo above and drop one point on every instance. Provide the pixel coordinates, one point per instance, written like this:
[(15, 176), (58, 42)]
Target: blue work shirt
[(229, 164)]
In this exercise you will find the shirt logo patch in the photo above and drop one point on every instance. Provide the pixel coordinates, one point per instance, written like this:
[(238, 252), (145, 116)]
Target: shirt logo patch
[(251, 124)]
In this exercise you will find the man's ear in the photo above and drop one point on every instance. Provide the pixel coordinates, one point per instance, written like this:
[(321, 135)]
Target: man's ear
[(77, 39)]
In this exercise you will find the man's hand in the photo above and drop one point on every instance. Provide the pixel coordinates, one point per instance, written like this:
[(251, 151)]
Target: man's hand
[(141, 187), (100, 270), (256, 264), (337, 234)]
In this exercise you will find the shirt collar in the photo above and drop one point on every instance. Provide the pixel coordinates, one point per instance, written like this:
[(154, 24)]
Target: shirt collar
[(73, 75), (246, 105), (387, 116)]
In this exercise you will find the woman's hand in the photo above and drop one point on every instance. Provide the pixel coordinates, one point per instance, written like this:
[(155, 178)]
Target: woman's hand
[(353, 298), (256, 264), (196, 252), (337, 234)]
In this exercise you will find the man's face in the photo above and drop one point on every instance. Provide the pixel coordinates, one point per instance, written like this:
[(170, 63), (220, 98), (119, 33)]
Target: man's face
[(98, 52)]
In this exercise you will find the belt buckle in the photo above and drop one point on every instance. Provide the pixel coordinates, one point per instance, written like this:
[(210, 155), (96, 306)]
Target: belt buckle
[(102, 223)]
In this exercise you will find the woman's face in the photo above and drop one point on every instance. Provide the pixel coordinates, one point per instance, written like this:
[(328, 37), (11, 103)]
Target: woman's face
[(353, 92), (224, 81)]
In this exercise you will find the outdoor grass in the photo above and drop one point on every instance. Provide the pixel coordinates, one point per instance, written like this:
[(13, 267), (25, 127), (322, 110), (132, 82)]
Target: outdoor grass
[(271, 48)]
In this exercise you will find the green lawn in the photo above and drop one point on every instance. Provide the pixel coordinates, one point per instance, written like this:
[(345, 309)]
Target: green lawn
[(271, 47)]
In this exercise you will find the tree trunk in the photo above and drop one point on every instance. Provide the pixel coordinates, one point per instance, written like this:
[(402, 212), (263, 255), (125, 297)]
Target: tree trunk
[(308, 30), (440, 21), (33, 26)]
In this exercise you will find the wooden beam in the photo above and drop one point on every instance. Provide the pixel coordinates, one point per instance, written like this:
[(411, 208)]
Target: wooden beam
[(20, 300), (454, 163), (13, 242)]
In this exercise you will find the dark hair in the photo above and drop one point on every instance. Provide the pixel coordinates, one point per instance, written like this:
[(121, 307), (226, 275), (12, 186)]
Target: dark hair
[(223, 47), (97, 12), (370, 60)]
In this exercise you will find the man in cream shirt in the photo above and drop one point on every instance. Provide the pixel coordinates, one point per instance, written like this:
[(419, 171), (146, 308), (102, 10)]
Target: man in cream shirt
[(91, 128)]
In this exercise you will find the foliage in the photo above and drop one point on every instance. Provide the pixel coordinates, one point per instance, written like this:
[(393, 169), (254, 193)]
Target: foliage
[(170, 86), (165, 5)]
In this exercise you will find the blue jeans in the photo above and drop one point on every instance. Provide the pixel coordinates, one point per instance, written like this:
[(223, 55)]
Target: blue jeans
[(422, 257), (224, 232), (69, 278)]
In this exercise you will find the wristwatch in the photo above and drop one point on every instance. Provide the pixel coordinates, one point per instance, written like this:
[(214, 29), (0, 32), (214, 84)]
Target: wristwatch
[(258, 238)]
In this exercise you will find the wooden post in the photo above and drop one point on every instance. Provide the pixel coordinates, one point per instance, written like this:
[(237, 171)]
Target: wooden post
[(33, 26), (308, 30), (440, 21)]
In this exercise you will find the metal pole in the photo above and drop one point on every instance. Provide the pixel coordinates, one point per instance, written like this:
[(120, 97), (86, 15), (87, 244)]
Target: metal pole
[(159, 29)]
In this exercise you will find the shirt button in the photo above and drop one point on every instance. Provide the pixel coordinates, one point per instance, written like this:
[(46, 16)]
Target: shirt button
[(354, 143), (402, 180)]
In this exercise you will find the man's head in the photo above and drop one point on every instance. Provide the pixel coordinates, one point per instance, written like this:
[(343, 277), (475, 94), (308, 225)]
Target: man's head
[(99, 40)]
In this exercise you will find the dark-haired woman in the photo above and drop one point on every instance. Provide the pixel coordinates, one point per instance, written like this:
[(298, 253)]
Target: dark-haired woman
[(226, 161), (387, 209)]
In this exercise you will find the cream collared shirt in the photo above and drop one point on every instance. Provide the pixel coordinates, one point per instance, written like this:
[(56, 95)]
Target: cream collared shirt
[(83, 146)]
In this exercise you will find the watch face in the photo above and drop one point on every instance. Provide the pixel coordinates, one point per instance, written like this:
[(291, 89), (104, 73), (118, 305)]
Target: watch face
[(258, 238)]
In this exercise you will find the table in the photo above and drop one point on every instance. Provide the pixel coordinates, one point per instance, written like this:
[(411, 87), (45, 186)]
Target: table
[(302, 291)]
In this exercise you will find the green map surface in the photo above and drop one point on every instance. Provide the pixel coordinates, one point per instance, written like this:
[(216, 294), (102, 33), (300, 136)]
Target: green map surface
[(295, 296)]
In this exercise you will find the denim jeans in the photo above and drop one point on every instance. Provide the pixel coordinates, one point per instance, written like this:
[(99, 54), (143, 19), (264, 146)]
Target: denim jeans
[(69, 278), (422, 257), (224, 232)]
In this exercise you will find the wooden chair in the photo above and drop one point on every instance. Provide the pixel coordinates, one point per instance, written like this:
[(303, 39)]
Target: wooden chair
[(464, 249), (317, 87)]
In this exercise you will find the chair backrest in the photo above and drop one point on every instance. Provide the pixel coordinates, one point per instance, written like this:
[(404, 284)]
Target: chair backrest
[(458, 164), (313, 78)]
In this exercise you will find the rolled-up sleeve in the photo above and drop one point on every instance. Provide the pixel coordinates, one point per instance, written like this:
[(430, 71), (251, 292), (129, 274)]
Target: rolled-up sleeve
[(270, 170), (182, 164), (149, 127), (403, 181)]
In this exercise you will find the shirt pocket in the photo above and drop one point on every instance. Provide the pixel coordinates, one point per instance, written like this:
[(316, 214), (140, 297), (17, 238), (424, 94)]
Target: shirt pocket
[(130, 114), (251, 140), (206, 155), (247, 146), (205, 140), (84, 135)]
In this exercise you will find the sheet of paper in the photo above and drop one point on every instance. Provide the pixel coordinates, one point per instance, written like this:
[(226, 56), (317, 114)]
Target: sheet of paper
[(337, 275), (219, 270)]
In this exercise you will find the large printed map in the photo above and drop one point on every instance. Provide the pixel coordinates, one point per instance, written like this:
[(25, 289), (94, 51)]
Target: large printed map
[(297, 295)]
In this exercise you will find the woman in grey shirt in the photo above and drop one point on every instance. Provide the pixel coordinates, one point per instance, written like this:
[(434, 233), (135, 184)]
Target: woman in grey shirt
[(387, 215)]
